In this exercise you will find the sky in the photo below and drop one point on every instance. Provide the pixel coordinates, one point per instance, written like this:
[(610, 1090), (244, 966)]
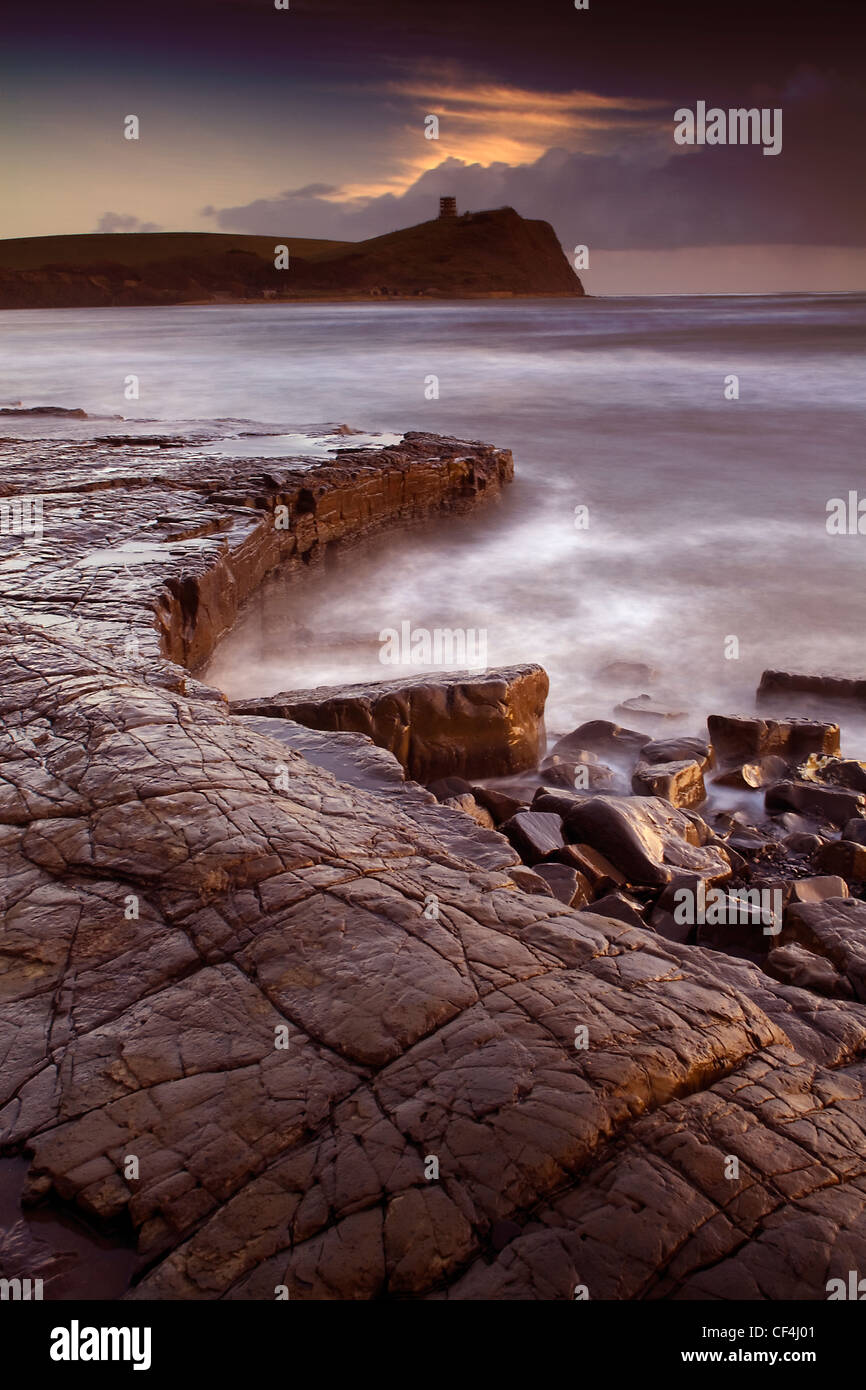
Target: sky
[(311, 120)]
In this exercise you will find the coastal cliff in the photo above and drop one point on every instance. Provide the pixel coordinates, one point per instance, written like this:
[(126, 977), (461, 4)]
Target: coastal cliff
[(478, 255)]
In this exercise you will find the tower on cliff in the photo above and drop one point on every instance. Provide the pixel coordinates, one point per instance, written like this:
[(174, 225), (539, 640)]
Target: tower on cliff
[(447, 207)]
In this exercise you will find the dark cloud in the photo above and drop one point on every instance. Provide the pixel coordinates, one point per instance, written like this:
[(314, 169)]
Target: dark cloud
[(732, 195)]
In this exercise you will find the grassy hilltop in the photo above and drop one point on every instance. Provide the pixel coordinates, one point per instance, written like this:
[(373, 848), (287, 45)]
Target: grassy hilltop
[(497, 253)]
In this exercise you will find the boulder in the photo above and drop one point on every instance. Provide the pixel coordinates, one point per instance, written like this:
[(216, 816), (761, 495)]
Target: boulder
[(579, 775), (666, 921), (815, 890), (748, 840), (646, 838), (776, 686), (605, 740), (558, 800), (653, 711), (587, 861), (536, 835), (743, 919), (677, 750), (762, 772), (499, 804), (682, 783), (821, 803), (743, 738), (530, 882), (845, 858), (569, 886), (465, 724), (802, 842), (836, 929), (621, 907), (446, 788), (795, 965), (839, 772), (748, 920)]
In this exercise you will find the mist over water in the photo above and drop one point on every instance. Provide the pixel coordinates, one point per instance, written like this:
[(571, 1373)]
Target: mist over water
[(707, 517)]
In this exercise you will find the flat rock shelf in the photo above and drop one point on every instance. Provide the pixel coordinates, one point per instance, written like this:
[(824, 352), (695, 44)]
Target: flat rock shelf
[(350, 1054)]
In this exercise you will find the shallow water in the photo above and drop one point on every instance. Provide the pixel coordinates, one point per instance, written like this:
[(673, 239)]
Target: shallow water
[(707, 517)]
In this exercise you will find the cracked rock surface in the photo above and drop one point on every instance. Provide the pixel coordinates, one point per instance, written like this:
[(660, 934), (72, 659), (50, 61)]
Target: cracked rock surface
[(349, 1055)]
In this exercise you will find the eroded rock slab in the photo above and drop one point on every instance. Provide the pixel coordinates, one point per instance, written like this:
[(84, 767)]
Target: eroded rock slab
[(463, 723)]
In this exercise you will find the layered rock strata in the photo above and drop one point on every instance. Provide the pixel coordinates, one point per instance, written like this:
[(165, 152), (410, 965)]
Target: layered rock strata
[(474, 723)]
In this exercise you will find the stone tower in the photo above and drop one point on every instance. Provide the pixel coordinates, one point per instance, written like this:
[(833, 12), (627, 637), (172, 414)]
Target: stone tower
[(447, 207)]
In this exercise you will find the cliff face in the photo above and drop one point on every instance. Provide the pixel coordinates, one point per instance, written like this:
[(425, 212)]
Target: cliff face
[(480, 254)]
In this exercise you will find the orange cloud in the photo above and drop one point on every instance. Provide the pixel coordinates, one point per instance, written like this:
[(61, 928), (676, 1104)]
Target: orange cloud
[(492, 123)]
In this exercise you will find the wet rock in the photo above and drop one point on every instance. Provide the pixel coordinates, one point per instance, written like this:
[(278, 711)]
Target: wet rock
[(437, 725), (536, 835), (598, 870), (676, 750), (743, 738), (76, 414), (776, 686), (155, 558), (531, 882), (822, 803), (664, 918), (620, 906), (793, 824), (845, 858), (839, 772), (579, 775), (747, 921), (748, 840), (605, 740), (500, 806), (647, 839), (816, 889), (569, 886), (802, 842), (682, 783), (558, 801), (446, 787), (763, 772), (794, 965), (835, 929), (578, 756), (354, 759), (739, 863), (652, 711), (855, 829)]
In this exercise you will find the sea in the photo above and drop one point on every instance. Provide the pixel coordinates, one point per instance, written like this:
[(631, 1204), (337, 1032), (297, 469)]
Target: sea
[(680, 467)]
